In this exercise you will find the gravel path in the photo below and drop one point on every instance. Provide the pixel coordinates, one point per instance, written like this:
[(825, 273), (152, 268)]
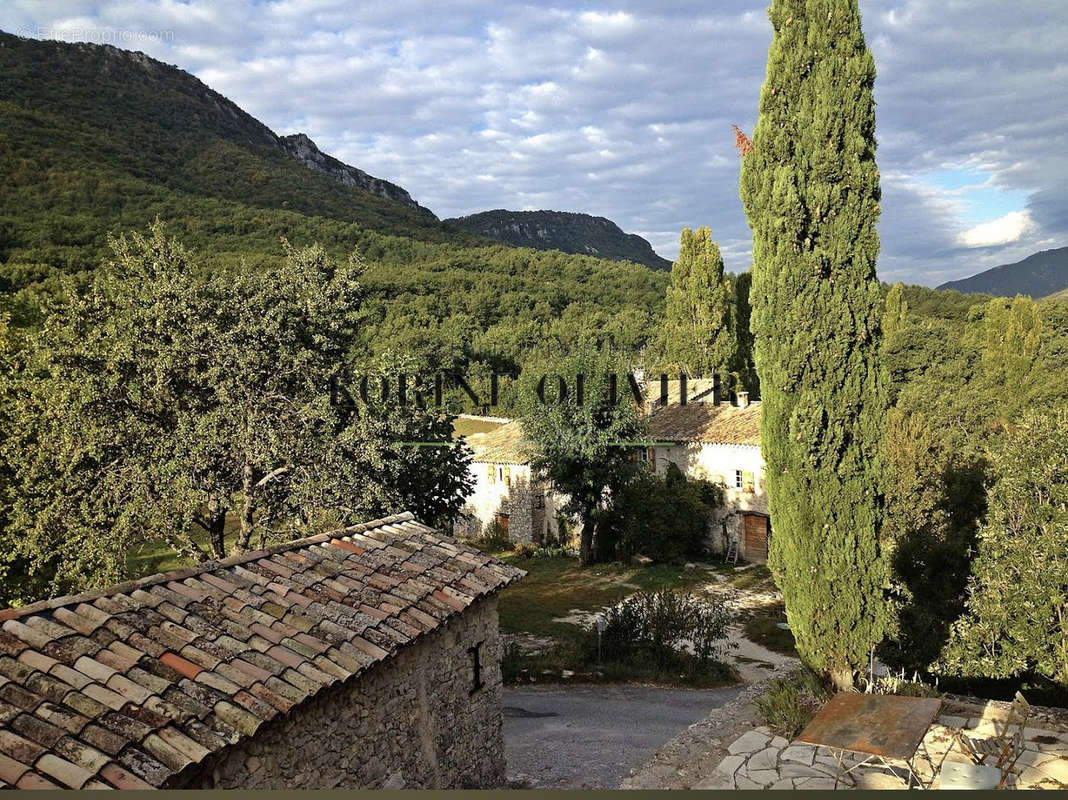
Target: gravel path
[(590, 737)]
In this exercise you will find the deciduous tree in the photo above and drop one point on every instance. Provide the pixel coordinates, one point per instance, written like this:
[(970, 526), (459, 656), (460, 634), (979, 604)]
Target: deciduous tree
[(162, 400), (581, 445), (1017, 608)]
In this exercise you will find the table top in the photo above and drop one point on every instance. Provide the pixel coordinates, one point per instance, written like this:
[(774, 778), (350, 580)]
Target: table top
[(872, 724)]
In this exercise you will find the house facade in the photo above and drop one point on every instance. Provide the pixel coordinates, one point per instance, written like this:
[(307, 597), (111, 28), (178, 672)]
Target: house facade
[(504, 493), (719, 442), (366, 658)]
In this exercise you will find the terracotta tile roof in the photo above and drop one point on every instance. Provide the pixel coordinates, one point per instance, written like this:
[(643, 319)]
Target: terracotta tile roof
[(713, 424), (128, 686), (505, 445), (696, 389)]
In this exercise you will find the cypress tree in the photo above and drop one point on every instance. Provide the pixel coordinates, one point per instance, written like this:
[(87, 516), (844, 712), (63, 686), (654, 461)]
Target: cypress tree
[(897, 309), (701, 333), (811, 191)]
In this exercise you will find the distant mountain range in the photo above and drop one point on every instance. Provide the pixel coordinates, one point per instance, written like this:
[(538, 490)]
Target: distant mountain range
[(562, 230), (1038, 275)]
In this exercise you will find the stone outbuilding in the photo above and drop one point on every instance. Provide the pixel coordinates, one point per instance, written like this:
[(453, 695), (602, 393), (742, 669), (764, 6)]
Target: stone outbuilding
[(365, 658)]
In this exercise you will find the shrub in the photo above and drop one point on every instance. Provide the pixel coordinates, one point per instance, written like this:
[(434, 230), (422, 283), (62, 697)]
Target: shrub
[(669, 629), (494, 538), (663, 518), (789, 703), (554, 551), (511, 662), (525, 549)]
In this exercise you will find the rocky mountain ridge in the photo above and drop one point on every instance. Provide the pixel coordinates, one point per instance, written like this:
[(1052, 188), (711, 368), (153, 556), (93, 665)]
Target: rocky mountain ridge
[(567, 231)]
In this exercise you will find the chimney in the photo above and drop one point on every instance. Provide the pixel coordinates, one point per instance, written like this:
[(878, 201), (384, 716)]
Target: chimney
[(743, 399)]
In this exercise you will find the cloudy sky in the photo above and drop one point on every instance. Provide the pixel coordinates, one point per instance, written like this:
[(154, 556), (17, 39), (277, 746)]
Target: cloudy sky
[(625, 109)]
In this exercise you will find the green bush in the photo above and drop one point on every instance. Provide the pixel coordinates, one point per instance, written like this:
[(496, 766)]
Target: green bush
[(789, 703), (670, 630), (511, 662), (494, 538), (665, 518)]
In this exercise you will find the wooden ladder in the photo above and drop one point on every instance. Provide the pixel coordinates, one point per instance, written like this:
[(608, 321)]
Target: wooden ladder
[(731, 556)]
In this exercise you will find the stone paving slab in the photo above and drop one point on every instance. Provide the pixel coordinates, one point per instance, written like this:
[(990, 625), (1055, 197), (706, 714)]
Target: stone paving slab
[(760, 760)]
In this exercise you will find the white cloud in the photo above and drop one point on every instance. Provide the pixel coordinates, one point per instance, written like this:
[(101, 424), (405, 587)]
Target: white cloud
[(624, 110), (1003, 230)]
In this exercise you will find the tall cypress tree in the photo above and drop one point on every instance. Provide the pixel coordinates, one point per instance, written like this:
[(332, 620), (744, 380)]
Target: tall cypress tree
[(701, 335), (811, 193)]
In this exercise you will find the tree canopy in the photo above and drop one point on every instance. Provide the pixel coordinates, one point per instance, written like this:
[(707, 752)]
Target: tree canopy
[(583, 446), (1016, 619), (160, 400)]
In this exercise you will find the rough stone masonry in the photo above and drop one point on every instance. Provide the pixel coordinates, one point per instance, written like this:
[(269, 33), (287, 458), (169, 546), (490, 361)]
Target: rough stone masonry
[(410, 722)]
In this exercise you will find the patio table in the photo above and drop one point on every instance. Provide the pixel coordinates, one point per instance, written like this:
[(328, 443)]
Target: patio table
[(880, 728)]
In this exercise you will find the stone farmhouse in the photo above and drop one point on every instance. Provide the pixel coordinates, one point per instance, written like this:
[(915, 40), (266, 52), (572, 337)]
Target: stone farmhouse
[(365, 658), (503, 492), (715, 441), (719, 442)]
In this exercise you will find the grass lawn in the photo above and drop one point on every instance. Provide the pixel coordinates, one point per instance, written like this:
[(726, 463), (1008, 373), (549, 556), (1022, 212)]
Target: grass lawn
[(556, 587), (157, 556)]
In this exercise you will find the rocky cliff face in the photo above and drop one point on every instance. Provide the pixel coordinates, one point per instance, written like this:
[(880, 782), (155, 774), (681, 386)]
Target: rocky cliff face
[(304, 150), (562, 230)]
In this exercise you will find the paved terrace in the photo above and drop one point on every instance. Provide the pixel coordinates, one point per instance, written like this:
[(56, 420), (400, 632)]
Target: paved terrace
[(758, 759)]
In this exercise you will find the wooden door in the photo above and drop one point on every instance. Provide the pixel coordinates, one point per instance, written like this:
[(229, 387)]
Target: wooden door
[(756, 538), (502, 520)]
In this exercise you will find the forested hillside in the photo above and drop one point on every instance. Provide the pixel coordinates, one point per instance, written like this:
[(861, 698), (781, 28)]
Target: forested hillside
[(1037, 275), (97, 141)]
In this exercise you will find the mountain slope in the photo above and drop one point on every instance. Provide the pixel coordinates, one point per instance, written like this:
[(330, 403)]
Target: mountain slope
[(304, 150), (97, 141), (97, 138), (562, 230), (1037, 275)]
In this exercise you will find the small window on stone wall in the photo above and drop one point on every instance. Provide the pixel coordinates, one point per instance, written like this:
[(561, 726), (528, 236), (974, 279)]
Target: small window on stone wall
[(476, 668)]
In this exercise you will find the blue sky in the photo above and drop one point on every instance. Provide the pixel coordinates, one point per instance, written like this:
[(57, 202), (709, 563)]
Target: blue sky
[(625, 109)]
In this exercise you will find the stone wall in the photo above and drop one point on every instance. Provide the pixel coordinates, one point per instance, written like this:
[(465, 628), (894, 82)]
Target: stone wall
[(411, 721)]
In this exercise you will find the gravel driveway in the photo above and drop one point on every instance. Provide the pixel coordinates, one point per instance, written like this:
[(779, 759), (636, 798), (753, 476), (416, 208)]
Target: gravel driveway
[(590, 737)]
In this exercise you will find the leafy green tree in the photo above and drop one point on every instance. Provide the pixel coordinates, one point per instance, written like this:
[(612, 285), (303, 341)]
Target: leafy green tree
[(581, 447), (811, 191), (665, 518), (159, 402), (1017, 607), (1013, 336), (932, 504), (700, 327)]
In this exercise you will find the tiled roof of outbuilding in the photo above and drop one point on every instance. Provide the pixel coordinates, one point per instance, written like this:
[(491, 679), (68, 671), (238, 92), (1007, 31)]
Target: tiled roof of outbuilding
[(712, 424), (129, 686)]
